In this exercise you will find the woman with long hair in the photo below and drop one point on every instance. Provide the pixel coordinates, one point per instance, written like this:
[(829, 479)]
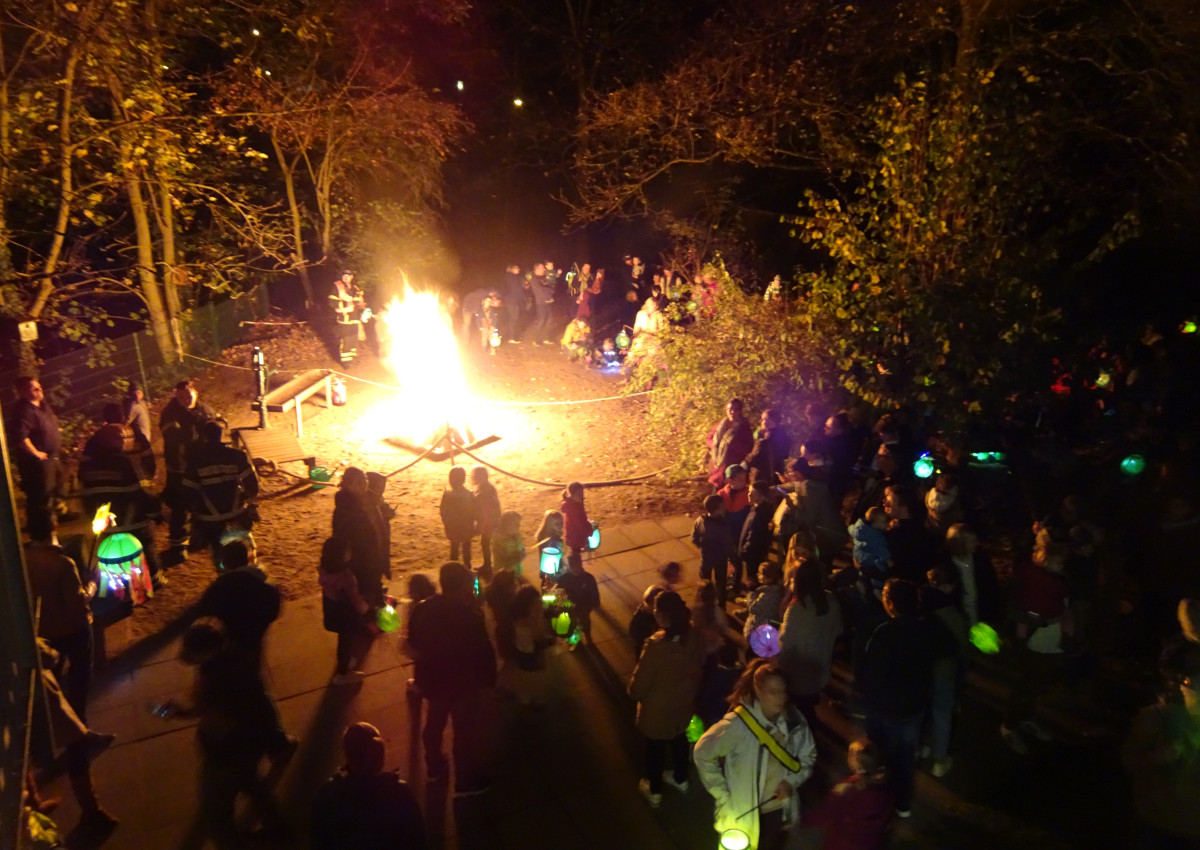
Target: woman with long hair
[(811, 625), (754, 759), (665, 683)]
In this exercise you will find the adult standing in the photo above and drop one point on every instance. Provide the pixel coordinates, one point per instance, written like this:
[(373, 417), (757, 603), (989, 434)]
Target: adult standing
[(65, 621), (137, 415), (754, 759), (364, 806), (818, 514), (221, 482), (665, 683), (36, 444), (730, 442), (355, 530), (107, 475), (914, 549), (772, 444), (811, 625), (180, 425), (349, 305), (541, 285), (454, 665), (896, 681), (514, 301)]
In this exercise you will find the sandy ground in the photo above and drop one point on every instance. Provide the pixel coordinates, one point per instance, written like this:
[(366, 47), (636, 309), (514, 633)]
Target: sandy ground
[(557, 443)]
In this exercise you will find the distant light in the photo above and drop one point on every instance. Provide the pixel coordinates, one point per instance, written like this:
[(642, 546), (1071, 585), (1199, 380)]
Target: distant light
[(923, 467), (1188, 327), (459, 85), (1133, 465), (1103, 379), (165, 67), (256, 32), (518, 102), (268, 73)]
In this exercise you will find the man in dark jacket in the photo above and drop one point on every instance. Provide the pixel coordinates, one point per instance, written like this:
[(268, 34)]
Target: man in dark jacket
[(180, 425), (455, 664), (108, 475), (221, 482), (772, 444), (897, 677), (364, 806), (35, 445)]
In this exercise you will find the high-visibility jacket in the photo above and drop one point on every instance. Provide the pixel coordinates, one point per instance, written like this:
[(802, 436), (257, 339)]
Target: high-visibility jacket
[(221, 480)]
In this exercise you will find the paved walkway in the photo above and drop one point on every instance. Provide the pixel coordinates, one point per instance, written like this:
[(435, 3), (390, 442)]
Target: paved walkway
[(566, 776)]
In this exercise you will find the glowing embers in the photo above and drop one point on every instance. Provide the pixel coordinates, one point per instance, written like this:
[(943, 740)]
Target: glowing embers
[(423, 355)]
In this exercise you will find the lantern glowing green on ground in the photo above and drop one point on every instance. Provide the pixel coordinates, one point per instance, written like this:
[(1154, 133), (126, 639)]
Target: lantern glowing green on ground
[(561, 623), (1133, 465), (985, 639), (924, 468), (695, 729), (734, 839), (551, 560), (387, 619)]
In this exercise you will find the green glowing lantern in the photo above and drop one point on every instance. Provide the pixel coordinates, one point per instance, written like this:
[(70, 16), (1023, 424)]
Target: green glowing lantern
[(1133, 464), (122, 564), (622, 341), (695, 729), (924, 466), (985, 639), (387, 619), (594, 537), (551, 560), (1188, 327), (734, 839), (1103, 379), (561, 623), (574, 638)]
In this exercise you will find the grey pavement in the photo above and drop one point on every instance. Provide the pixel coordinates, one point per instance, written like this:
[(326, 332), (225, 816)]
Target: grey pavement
[(566, 776)]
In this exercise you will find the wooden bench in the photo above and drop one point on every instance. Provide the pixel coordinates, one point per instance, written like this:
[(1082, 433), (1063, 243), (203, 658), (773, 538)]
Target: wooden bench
[(274, 446), (294, 393)]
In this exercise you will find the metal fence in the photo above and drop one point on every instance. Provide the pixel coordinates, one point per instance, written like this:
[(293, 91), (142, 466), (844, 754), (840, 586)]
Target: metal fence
[(80, 382)]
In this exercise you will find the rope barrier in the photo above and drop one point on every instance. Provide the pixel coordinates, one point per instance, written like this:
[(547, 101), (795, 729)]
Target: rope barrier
[(611, 483), (422, 455), (493, 402)]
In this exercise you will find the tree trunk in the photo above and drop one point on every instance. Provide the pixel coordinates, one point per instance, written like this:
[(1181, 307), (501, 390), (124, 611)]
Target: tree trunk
[(165, 215), (5, 170), (159, 322), (289, 183)]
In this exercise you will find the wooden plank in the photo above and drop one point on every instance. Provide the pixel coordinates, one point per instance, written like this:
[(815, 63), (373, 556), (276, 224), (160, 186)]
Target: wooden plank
[(276, 445)]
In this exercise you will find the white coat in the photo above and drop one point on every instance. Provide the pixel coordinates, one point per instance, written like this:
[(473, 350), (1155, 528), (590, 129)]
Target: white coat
[(732, 765)]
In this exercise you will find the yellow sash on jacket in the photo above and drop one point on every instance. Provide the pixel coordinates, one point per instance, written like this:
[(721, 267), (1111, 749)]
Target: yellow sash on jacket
[(764, 737)]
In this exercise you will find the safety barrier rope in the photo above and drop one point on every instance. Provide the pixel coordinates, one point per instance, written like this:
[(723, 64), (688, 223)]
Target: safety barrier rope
[(493, 402), (611, 483)]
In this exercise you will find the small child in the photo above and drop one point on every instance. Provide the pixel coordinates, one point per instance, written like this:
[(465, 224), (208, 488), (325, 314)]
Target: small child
[(550, 534), (344, 611), (508, 548), (871, 553), (711, 622), (644, 623), (858, 813), (581, 589), (524, 673), (754, 537), (670, 575), (420, 588), (489, 322), (499, 595), (607, 355), (711, 534), (487, 515), (458, 515), (576, 526), (766, 601), (577, 339)]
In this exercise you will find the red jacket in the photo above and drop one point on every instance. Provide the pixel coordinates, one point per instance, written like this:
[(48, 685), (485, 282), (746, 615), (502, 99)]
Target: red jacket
[(576, 527)]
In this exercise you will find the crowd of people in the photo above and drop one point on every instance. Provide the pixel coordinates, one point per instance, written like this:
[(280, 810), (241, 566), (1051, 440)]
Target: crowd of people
[(824, 537)]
